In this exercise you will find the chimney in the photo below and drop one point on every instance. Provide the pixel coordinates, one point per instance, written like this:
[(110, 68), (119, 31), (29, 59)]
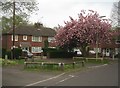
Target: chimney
[(38, 25)]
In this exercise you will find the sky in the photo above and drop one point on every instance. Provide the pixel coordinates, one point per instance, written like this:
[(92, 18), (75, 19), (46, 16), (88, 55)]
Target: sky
[(54, 12)]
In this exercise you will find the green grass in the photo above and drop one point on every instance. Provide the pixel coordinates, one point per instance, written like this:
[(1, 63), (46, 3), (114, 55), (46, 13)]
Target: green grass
[(53, 67), (21, 61), (5, 62), (94, 61), (0, 61), (67, 67), (8, 62)]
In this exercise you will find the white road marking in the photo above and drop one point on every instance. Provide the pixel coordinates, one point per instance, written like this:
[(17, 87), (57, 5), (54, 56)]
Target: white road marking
[(98, 66), (45, 80), (70, 76)]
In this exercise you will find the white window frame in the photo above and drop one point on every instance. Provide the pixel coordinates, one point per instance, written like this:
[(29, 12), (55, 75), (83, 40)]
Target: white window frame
[(24, 37), (50, 39), (40, 39), (36, 49), (34, 39), (16, 37)]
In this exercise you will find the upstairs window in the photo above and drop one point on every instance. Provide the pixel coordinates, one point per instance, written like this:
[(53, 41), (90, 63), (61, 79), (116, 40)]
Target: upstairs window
[(36, 39), (16, 37), (24, 37), (50, 39)]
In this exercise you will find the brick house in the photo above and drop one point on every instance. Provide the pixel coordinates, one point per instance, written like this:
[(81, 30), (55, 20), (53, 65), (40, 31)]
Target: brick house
[(29, 38), (109, 48)]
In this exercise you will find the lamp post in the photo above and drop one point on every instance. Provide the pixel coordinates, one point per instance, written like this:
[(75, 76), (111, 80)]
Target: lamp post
[(13, 28), (97, 39)]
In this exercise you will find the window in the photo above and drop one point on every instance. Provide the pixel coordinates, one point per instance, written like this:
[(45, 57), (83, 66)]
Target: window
[(36, 49), (16, 37), (36, 39), (24, 37), (50, 39)]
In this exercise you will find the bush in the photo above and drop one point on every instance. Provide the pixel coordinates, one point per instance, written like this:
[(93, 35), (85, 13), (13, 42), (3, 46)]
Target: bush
[(46, 44), (47, 50), (60, 54), (3, 53), (57, 53), (17, 52), (9, 54)]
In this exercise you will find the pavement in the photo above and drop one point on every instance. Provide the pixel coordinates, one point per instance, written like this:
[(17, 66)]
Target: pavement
[(102, 75)]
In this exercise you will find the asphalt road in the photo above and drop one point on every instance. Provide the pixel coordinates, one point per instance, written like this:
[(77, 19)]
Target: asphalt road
[(105, 75)]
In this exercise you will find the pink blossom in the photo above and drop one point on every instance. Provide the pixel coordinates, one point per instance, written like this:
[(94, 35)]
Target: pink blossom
[(84, 30)]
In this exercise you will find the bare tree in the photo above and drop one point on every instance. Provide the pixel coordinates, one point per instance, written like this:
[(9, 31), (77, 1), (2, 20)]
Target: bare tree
[(115, 14)]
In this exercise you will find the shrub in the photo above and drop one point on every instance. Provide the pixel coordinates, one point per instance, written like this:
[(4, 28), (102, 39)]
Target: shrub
[(46, 50), (9, 54), (46, 44), (61, 54), (17, 52), (3, 53)]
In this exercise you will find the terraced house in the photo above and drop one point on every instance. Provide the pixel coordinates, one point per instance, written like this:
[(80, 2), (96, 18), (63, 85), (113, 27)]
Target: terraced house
[(31, 38)]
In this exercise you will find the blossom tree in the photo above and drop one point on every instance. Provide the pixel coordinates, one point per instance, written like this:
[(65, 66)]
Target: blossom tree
[(88, 29)]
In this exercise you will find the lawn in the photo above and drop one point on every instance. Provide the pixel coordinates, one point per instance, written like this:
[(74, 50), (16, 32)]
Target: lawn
[(52, 67), (7, 62)]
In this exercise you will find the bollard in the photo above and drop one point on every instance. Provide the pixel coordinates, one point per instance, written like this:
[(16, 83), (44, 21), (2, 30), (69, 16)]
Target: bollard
[(73, 64), (62, 66), (25, 64), (59, 64), (42, 65), (25, 58), (83, 63), (6, 57), (32, 59)]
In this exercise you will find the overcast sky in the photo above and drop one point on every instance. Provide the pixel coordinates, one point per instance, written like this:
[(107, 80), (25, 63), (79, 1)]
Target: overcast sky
[(54, 12)]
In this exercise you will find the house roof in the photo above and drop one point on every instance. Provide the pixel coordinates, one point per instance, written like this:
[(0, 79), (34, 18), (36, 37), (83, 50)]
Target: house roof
[(32, 30)]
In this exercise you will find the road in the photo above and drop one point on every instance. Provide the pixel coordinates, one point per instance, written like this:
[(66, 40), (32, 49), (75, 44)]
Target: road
[(105, 75)]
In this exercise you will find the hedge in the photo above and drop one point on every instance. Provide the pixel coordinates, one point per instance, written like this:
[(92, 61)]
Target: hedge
[(46, 50), (17, 52), (3, 53), (9, 54), (60, 54)]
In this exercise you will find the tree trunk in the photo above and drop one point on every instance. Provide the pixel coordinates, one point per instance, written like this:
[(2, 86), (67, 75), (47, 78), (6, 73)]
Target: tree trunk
[(85, 51)]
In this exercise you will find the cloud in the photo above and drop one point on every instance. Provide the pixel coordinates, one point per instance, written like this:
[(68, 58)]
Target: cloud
[(54, 12)]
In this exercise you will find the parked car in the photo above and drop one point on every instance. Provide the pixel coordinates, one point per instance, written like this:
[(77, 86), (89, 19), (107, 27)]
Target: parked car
[(27, 53), (79, 53), (92, 52)]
